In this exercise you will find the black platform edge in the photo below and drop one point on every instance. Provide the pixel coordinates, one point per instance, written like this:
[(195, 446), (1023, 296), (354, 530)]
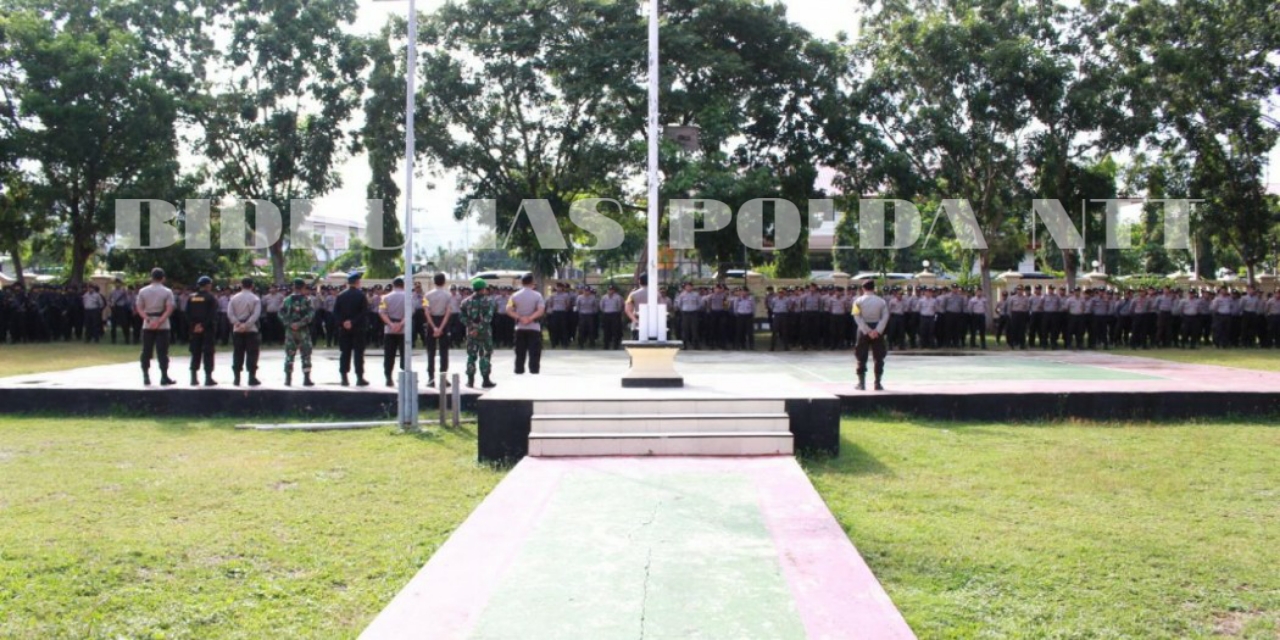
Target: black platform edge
[(652, 383), (504, 427), (223, 401), (1091, 405)]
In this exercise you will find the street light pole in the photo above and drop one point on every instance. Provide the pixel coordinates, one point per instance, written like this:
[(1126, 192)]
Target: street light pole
[(408, 392)]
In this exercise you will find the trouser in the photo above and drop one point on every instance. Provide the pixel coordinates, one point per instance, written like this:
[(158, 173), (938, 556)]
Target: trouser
[(589, 329), (912, 327), (528, 346), (812, 331), (723, 323), (558, 327), (224, 329), (351, 351), (897, 331), (876, 348), (1099, 332), (744, 331), (419, 327), (611, 323), (157, 342), (272, 330), (92, 325), (480, 351), (1121, 329), (1164, 329), (1249, 329), (778, 331), (689, 328), (392, 346), (927, 332), (1191, 330), (978, 329), (245, 347), (120, 320), (295, 341), (201, 348), (1221, 322), (1075, 331), (441, 344), (1018, 329), (1035, 329), (1273, 331)]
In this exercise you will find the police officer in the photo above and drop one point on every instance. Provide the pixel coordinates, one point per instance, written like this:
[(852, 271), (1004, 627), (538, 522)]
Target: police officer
[(689, 305), (871, 313), (155, 305), (439, 312), (351, 313), (527, 307), (391, 313), (202, 323), (244, 311), (586, 308)]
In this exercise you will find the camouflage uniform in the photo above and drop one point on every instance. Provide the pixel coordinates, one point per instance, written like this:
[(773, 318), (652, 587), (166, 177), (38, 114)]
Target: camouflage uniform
[(477, 316), (297, 310)]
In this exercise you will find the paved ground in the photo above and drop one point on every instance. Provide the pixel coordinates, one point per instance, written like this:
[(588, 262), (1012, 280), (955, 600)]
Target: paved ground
[(597, 549), (923, 372)]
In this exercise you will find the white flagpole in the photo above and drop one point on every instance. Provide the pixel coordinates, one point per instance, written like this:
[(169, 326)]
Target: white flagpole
[(652, 316)]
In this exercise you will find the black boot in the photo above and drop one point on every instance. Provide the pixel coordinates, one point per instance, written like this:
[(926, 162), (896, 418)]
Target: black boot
[(345, 381), (306, 379), (253, 379), (165, 380), (862, 383), (471, 381), (209, 381), (389, 382), (879, 387), (288, 378), (361, 382), (195, 382), (236, 380), (488, 384), (146, 378)]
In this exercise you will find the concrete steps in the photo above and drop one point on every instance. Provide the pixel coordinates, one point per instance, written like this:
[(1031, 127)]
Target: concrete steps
[(660, 428)]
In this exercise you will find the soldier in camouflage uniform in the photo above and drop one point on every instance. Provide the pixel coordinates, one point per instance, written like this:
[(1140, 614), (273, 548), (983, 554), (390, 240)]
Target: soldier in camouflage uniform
[(477, 316), (296, 315)]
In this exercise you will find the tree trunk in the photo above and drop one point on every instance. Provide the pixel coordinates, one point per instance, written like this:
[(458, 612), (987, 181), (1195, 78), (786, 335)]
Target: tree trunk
[(277, 262), (1249, 269), (79, 260), (16, 253), (1069, 267), (986, 286)]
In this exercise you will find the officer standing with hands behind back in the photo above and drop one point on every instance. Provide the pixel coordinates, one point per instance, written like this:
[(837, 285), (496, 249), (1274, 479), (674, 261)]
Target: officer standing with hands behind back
[(871, 313), (351, 314)]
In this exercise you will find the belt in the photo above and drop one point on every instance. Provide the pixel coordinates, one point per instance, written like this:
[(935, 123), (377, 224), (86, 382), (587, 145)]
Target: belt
[(155, 315)]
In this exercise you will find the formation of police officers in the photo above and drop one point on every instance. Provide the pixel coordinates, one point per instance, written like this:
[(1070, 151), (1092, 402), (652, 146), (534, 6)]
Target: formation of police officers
[(708, 317)]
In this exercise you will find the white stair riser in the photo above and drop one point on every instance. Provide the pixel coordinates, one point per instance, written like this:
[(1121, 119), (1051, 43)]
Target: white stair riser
[(552, 407), (660, 446), (780, 425)]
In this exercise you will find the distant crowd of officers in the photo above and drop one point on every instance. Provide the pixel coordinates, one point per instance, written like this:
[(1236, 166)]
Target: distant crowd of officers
[(707, 317)]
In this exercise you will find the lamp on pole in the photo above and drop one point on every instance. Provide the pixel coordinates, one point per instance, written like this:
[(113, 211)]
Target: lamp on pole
[(408, 392)]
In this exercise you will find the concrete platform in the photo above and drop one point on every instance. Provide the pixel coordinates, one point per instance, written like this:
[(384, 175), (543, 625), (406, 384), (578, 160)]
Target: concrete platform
[(109, 389), (597, 549)]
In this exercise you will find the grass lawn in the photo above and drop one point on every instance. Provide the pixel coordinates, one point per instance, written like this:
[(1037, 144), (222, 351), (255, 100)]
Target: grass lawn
[(1261, 359), (141, 528), (1066, 531), (22, 359)]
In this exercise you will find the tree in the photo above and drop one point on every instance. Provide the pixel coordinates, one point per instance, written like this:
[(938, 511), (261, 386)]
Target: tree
[(383, 134), (91, 108), (275, 111), (1207, 68)]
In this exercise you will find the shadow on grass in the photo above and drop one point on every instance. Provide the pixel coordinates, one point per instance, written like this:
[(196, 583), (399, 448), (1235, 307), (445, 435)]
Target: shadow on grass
[(852, 461)]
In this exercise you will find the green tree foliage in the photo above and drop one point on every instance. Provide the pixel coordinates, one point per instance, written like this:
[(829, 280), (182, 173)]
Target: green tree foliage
[(383, 136), (275, 107)]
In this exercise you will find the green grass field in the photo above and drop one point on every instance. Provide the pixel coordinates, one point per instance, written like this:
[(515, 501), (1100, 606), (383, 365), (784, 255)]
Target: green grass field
[(22, 359), (164, 529), (141, 528), (1066, 531)]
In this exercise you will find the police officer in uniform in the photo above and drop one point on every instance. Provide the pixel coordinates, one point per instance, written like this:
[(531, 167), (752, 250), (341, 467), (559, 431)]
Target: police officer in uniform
[(527, 307), (155, 305), (351, 313), (244, 311), (391, 313), (202, 322), (871, 313)]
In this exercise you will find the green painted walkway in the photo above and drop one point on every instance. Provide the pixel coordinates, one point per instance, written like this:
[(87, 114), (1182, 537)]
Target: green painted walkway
[(626, 565)]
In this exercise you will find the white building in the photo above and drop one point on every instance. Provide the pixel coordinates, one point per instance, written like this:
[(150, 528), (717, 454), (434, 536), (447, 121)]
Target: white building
[(334, 236)]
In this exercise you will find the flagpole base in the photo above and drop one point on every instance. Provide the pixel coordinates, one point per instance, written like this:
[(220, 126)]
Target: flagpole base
[(653, 364)]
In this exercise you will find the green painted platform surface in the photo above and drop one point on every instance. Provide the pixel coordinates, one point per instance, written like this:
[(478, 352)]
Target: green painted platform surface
[(663, 556)]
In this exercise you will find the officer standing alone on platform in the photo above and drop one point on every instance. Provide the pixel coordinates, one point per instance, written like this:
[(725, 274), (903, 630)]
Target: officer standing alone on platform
[(527, 307), (155, 305), (871, 313), (391, 312), (244, 310)]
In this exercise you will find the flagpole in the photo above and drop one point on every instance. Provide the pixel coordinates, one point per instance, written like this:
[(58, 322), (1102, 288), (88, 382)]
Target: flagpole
[(651, 310)]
